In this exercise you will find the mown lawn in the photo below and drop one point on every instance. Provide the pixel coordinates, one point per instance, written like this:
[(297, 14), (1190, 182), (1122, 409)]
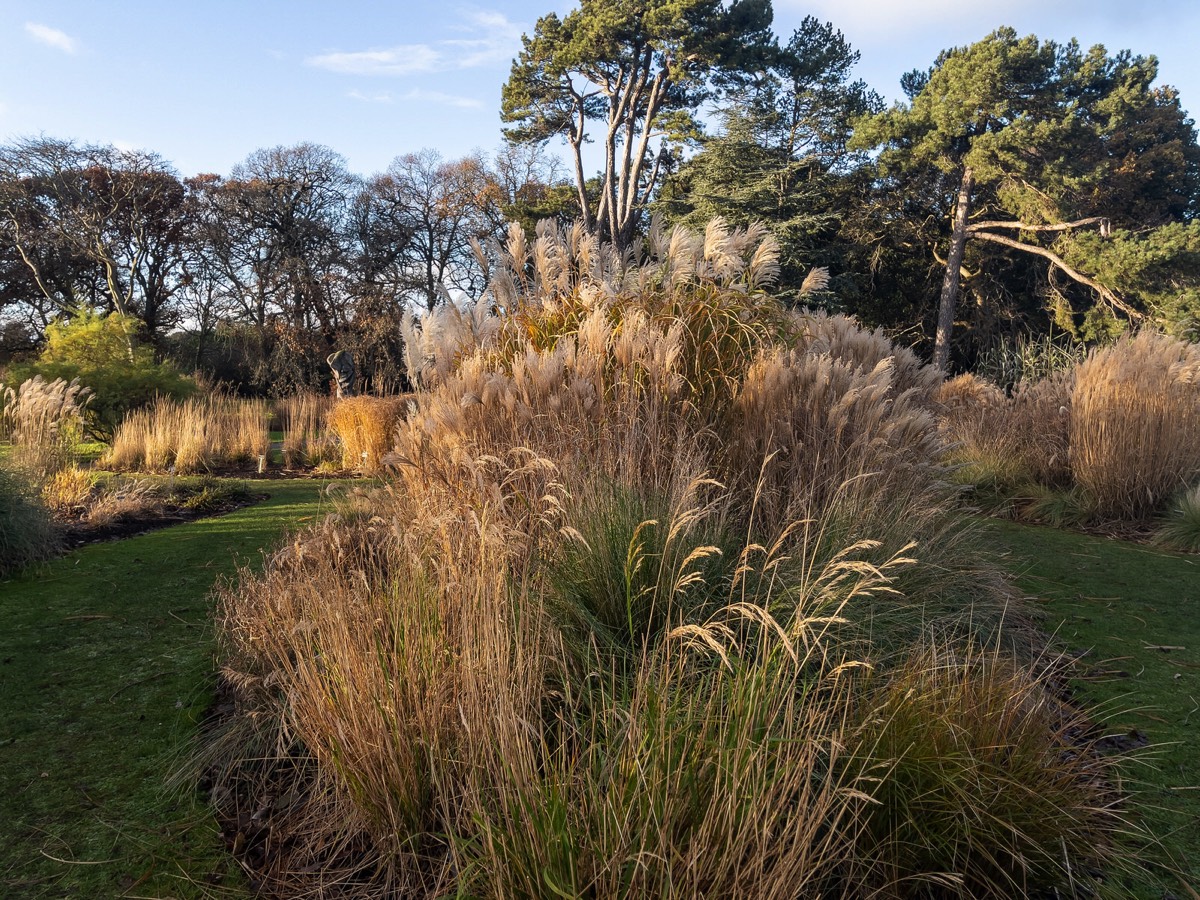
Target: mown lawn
[(1135, 611), (105, 660)]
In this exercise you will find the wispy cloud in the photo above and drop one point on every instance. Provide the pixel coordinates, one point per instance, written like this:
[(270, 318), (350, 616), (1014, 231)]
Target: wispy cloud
[(382, 97), (490, 39), (443, 99), (51, 37), (498, 40), (406, 59)]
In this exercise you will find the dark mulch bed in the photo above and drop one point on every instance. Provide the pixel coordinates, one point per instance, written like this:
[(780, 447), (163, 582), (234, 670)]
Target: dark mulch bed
[(78, 532)]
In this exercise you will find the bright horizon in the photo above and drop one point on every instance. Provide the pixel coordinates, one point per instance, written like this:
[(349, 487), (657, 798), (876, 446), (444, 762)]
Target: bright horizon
[(206, 84)]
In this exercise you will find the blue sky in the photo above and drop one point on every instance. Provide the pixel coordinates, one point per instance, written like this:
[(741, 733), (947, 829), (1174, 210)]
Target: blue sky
[(206, 83)]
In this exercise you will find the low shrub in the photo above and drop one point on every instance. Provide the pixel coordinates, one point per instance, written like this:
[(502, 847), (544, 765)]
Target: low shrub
[(26, 532), (102, 354), (366, 427)]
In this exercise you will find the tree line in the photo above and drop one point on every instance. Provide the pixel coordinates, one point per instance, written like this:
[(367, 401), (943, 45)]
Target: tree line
[(1022, 185)]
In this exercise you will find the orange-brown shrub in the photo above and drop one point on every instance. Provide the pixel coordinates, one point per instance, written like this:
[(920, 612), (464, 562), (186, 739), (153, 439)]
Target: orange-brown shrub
[(366, 427)]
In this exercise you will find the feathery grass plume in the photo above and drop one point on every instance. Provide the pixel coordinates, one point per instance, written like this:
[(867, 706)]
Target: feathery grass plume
[(27, 535), (816, 281), (366, 427), (843, 338), (43, 419), (434, 342), (307, 437), (981, 783), (192, 435), (1135, 424)]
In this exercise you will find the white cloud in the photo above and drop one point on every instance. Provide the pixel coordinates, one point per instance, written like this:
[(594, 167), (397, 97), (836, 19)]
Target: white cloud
[(491, 39), (443, 99), (406, 59), (51, 37), (499, 41), (383, 97)]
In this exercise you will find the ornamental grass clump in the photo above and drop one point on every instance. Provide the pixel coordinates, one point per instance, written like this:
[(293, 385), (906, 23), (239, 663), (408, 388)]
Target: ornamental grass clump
[(984, 782), (1180, 526), (43, 419), (1009, 448), (365, 427), (1135, 424), (194, 435), (308, 440), (616, 620), (27, 534)]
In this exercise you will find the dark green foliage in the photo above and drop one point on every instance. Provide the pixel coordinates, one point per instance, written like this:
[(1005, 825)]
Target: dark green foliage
[(781, 157), (26, 533), (635, 68), (1066, 152)]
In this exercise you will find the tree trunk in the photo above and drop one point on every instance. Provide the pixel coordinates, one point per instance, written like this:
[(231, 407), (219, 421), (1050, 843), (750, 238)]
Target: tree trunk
[(958, 243)]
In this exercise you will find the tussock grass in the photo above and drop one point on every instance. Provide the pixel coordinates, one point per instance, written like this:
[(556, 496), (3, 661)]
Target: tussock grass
[(194, 435), (27, 534), (1180, 527), (1112, 440), (616, 623), (987, 790), (365, 427)]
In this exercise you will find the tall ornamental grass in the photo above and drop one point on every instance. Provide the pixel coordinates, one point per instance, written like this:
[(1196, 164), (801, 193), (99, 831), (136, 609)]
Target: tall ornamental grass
[(1114, 439), (308, 440), (195, 435), (1135, 424), (43, 420), (621, 624), (365, 428)]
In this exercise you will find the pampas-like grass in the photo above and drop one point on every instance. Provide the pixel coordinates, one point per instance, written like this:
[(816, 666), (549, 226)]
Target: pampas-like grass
[(1135, 424), (43, 421), (605, 628)]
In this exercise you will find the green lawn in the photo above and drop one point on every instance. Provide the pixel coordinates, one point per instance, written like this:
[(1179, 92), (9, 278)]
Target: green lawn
[(1136, 611), (106, 658)]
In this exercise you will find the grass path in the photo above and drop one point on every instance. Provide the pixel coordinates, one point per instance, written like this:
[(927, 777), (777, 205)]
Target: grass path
[(105, 662), (1135, 611)]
